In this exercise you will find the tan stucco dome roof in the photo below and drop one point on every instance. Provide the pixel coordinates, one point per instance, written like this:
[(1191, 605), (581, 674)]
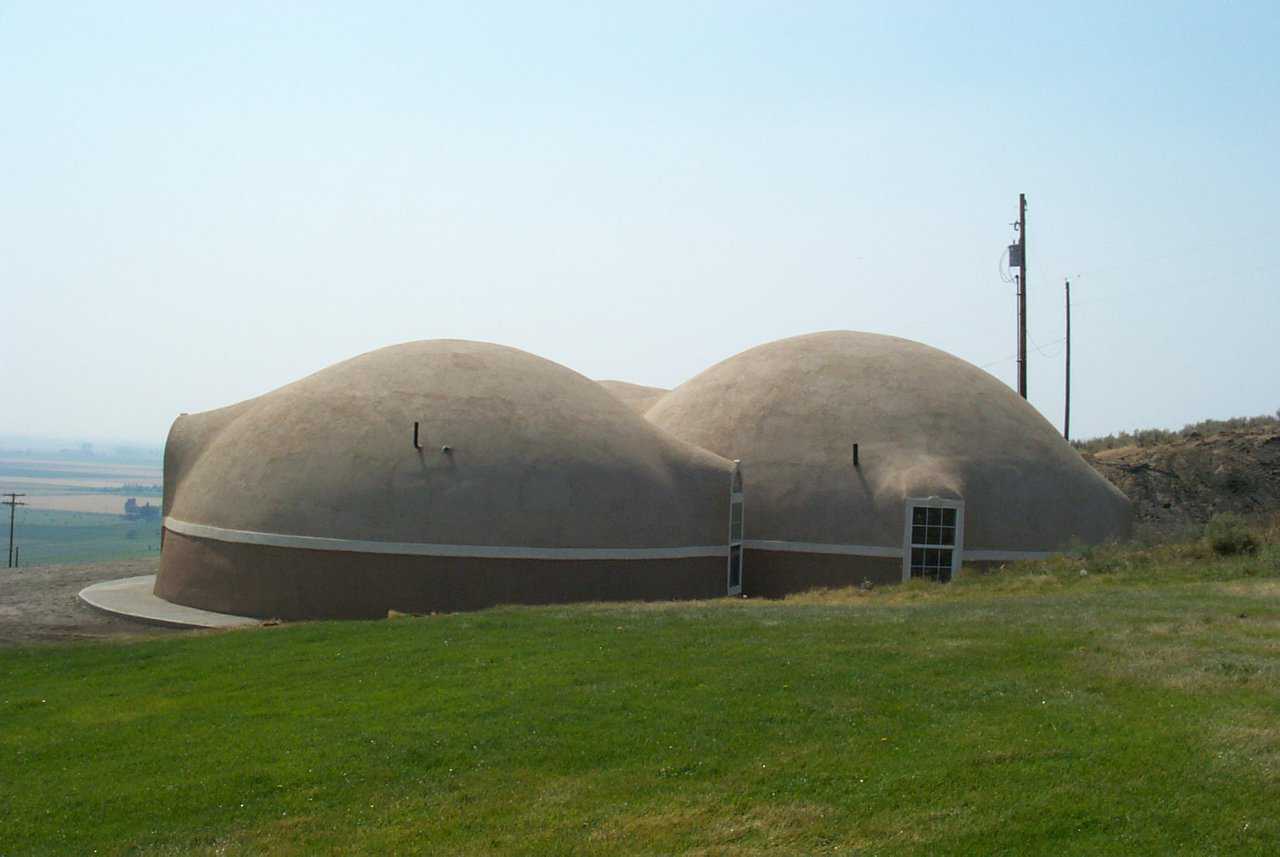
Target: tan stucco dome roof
[(926, 422), (636, 396), (540, 457)]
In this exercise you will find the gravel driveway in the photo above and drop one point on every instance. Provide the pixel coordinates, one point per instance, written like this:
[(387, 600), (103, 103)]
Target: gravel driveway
[(39, 604)]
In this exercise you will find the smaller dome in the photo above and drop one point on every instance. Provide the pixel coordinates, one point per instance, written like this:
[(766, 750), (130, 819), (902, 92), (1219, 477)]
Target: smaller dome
[(638, 397), (926, 423)]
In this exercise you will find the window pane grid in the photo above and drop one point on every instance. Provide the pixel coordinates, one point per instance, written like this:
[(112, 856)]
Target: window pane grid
[(933, 537), (735, 535)]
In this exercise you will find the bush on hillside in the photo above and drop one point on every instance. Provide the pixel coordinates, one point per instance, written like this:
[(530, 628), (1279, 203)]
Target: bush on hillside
[(1228, 535), (1236, 481), (1154, 437)]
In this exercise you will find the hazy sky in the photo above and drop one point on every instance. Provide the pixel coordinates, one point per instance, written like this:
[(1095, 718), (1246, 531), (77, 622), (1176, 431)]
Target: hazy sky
[(197, 207)]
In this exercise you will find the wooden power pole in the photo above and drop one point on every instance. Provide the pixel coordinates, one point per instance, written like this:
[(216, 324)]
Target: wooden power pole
[(13, 503), (1022, 295), (1066, 410)]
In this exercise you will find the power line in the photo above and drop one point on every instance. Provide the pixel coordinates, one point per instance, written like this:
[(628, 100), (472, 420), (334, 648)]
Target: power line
[(1001, 268), (1041, 348), (1129, 287), (1048, 344), (1075, 305)]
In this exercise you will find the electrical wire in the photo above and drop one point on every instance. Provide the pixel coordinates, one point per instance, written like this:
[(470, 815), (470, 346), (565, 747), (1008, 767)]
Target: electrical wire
[(1000, 266), (1119, 291), (1040, 348), (1014, 356)]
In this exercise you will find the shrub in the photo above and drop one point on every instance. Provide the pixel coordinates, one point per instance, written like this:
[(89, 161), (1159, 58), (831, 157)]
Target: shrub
[(1271, 529), (1228, 535), (1235, 482), (1153, 437)]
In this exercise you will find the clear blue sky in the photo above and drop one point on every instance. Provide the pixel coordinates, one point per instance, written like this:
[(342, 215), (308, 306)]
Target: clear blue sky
[(198, 207)]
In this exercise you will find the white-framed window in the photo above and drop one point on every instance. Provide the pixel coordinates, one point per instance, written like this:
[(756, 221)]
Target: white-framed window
[(932, 538), (735, 531)]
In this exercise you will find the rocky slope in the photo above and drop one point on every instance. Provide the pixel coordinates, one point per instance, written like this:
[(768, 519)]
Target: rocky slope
[(1186, 480)]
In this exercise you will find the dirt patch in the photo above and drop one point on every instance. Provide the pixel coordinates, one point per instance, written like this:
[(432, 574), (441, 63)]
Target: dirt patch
[(39, 604)]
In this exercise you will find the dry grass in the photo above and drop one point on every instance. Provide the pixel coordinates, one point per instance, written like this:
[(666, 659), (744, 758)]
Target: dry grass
[(1250, 740)]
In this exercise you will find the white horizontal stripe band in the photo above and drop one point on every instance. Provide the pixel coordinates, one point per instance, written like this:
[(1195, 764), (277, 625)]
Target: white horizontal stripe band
[(821, 547), (250, 537), (279, 540), (1005, 556), (975, 555)]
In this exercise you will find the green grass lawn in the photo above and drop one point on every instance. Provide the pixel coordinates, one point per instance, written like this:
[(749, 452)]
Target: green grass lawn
[(1132, 710), (50, 537)]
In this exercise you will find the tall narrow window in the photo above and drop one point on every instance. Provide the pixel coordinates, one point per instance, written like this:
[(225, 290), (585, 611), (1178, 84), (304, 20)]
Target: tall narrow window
[(933, 539), (735, 532)]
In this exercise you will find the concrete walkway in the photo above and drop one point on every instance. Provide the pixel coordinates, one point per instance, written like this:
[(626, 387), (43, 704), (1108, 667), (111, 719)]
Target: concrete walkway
[(132, 597)]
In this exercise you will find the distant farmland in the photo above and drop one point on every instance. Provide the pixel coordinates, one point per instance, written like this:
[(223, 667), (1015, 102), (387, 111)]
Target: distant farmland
[(75, 509), (77, 472), (51, 537), (102, 504)]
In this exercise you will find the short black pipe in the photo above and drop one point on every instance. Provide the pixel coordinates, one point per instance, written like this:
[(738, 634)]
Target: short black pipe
[(416, 445), (855, 455)]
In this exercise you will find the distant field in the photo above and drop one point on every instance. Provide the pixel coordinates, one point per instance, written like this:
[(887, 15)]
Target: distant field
[(75, 509), (39, 478), (56, 537), (103, 504), (87, 472)]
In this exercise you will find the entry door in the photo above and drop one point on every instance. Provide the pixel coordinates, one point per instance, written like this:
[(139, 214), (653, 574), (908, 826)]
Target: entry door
[(735, 533)]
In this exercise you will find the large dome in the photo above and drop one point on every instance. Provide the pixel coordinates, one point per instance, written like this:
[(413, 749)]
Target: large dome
[(520, 459), (925, 423)]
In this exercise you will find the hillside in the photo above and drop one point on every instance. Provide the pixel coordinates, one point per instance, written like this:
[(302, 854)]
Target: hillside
[(1183, 479)]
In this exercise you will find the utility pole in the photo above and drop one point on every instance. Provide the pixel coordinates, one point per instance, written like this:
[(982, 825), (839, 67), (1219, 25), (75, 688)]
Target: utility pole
[(1018, 259), (1066, 412), (1022, 295), (13, 503)]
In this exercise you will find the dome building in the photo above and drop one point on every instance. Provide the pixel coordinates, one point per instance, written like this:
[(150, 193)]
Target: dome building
[(869, 457), (449, 475), (436, 476)]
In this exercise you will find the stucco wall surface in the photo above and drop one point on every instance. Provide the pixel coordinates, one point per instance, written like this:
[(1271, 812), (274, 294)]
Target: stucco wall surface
[(286, 583), (775, 574), (926, 422), (539, 456), (638, 397)]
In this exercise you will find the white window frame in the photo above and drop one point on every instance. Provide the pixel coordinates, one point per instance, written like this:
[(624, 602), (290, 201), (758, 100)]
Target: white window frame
[(736, 499), (957, 550)]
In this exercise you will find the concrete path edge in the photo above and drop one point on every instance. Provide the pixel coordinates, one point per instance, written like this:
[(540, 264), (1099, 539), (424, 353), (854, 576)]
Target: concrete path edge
[(134, 598)]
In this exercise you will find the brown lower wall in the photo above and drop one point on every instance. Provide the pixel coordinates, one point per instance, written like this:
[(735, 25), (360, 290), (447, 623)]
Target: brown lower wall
[(289, 583), (774, 574)]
